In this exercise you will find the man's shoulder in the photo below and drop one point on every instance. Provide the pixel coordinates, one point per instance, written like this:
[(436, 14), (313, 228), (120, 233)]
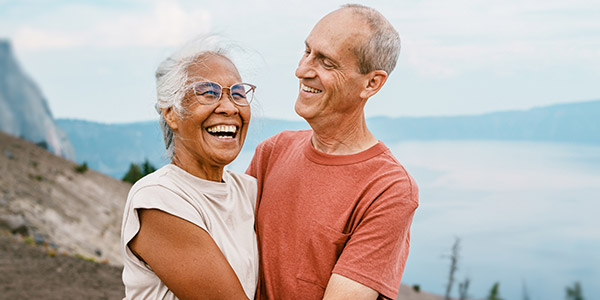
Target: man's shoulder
[(287, 135), (391, 172), (285, 138)]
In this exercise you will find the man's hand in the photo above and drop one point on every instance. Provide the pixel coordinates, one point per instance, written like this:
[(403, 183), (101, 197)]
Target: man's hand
[(340, 287)]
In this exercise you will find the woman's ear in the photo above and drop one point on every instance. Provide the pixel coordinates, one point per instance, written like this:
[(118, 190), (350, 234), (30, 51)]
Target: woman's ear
[(171, 117), (376, 81)]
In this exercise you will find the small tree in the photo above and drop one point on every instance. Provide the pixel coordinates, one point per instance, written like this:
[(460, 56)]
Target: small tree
[(453, 267), (42, 144), (463, 288), (133, 174), (136, 171), (525, 292), (147, 167), (82, 168), (495, 292), (575, 292)]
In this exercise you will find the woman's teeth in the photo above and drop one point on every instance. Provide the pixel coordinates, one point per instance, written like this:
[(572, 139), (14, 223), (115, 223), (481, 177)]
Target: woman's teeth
[(223, 131)]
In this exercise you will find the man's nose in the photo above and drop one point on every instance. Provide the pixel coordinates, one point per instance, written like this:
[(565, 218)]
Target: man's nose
[(305, 68)]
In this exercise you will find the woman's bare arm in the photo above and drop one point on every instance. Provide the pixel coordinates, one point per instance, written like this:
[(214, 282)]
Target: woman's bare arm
[(185, 258)]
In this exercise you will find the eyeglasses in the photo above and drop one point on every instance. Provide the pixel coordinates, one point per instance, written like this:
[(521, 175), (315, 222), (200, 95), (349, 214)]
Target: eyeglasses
[(208, 92)]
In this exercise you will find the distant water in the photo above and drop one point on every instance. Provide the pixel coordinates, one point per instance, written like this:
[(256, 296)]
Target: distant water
[(527, 215)]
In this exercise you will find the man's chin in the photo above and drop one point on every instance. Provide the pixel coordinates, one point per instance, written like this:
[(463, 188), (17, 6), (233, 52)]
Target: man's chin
[(304, 111)]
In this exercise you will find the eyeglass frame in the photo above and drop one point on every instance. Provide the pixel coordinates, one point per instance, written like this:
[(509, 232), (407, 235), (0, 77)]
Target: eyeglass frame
[(252, 87)]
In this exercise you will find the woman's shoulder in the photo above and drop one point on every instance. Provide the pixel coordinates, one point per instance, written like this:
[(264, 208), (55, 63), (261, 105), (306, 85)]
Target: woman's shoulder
[(243, 182), (241, 178), (157, 180)]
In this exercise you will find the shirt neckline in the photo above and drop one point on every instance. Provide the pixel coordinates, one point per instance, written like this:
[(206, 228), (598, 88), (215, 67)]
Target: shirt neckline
[(207, 185), (321, 158)]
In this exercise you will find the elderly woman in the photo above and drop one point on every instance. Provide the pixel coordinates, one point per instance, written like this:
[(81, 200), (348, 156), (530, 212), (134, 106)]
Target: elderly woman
[(188, 227)]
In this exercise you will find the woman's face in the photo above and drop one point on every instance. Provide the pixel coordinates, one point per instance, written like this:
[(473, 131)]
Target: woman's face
[(211, 136)]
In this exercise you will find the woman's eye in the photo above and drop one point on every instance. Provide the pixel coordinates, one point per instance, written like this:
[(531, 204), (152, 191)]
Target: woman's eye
[(209, 94)]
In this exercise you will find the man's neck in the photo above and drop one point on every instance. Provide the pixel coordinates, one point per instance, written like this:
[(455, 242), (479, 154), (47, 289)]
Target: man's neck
[(342, 137)]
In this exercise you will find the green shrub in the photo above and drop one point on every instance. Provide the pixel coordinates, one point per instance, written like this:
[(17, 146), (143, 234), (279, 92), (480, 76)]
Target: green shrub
[(82, 168)]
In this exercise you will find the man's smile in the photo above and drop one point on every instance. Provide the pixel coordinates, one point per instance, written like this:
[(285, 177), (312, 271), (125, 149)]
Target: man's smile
[(310, 89)]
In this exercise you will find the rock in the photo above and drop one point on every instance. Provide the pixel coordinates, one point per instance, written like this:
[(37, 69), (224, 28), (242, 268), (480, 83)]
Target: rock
[(24, 111)]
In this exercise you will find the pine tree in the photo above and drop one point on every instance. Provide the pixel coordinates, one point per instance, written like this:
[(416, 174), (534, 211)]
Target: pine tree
[(494, 292), (133, 174), (137, 171), (575, 293)]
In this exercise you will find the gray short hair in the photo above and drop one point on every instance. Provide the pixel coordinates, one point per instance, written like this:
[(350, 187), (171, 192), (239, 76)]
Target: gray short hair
[(172, 78), (381, 50)]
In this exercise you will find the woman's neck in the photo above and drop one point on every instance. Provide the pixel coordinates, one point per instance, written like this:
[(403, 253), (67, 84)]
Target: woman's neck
[(193, 167)]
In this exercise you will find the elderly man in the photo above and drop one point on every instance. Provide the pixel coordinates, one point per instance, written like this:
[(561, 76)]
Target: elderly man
[(335, 206)]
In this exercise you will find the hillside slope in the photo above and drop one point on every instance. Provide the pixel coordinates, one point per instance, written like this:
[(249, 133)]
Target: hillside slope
[(42, 195), (29, 272)]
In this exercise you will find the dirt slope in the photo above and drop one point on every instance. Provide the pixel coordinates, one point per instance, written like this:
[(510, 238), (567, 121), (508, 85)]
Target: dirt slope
[(42, 195)]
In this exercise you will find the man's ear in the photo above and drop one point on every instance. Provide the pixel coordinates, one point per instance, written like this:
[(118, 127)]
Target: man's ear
[(171, 117), (376, 81)]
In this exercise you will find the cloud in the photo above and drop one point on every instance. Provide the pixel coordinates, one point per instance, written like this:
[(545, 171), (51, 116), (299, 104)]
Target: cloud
[(452, 38), (166, 24), (35, 38)]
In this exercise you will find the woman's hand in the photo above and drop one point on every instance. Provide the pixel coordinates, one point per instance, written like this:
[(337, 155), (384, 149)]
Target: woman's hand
[(185, 258)]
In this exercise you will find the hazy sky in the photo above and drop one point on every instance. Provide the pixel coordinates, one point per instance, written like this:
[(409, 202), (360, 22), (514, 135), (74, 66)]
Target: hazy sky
[(95, 60)]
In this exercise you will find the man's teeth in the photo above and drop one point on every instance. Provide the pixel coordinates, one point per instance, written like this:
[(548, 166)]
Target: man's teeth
[(223, 131), (310, 90)]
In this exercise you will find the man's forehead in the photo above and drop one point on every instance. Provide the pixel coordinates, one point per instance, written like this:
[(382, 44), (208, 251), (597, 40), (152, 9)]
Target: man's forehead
[(333, 34)]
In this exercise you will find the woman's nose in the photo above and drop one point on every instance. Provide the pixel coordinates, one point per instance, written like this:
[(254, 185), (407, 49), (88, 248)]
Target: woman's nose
[(226, 105)]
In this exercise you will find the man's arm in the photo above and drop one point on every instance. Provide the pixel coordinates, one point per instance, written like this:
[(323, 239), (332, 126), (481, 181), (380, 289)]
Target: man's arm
[(375, 254), (340, 287)]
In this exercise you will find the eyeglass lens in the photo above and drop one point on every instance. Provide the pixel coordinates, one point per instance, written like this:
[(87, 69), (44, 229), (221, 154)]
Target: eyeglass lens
[(210, 92)]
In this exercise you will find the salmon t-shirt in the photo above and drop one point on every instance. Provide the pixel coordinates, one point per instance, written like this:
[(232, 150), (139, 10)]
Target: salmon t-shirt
[(319, 214)]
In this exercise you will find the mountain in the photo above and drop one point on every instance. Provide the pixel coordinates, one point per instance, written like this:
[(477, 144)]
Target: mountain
[(110, 148), (24, 111), (573, 123), (45, 196)]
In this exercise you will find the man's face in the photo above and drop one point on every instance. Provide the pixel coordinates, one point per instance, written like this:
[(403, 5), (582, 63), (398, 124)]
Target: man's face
[(330, 83)]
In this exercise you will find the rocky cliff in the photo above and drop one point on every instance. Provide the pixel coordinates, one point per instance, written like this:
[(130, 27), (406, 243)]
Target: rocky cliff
[(45, 197), (24, 111)]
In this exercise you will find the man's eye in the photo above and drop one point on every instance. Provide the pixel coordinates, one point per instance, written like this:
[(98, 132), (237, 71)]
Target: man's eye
[(328, 64)]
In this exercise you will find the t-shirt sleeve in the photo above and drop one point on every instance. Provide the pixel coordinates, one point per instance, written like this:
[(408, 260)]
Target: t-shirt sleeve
[(161, 198), (260, 160), (376, 252), (253, 167)]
